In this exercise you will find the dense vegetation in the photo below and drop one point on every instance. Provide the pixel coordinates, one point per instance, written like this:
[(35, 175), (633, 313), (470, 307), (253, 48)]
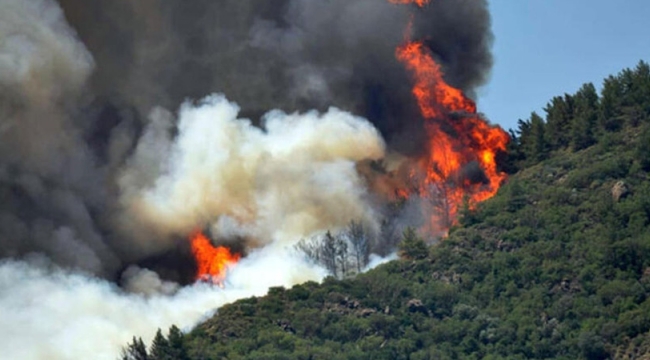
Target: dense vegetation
[(557, 265)]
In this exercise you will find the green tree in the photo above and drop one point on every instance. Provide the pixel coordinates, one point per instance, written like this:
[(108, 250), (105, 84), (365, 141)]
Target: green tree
[(467, 215), (642, 150), (176, 344), (412, 246), (160, 349), (586, 117), (610, 105), (642, 84), (533, 140), (559, 114), (136, 350)]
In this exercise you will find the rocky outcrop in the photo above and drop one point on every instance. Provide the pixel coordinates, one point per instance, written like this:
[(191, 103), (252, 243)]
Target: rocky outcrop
[(620, 191)]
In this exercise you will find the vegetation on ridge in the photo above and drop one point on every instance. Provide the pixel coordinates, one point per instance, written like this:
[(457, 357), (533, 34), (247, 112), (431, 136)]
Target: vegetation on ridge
[(557, 265)]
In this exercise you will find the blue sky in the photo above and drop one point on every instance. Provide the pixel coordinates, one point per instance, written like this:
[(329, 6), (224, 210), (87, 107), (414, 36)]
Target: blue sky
[(545, 48)]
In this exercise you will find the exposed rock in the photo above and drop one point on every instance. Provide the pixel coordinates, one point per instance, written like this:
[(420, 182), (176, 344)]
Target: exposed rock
[(619, 191), (416, 305)]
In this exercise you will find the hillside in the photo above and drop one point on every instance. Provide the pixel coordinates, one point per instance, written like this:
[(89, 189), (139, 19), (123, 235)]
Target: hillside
[(557, 265)]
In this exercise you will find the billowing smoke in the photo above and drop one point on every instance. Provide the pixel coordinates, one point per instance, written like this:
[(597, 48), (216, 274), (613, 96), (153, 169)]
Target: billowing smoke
[(293, 176), (112, 149), (286, 54), (49, 179), (54, 314)]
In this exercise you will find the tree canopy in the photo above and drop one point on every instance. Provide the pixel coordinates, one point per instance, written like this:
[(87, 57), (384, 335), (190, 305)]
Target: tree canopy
[(557, 265)]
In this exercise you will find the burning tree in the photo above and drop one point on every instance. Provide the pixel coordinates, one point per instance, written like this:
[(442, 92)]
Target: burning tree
[(460, 142)]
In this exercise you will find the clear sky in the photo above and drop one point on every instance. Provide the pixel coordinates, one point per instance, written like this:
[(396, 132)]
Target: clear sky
[(545, 48)]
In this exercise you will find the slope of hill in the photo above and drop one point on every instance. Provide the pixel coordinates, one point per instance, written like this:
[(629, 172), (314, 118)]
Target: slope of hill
[(557, 265)]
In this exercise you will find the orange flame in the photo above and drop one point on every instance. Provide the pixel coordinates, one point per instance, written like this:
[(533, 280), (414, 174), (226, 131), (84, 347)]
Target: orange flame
[(212, 262), (419, 3), (457, 137)]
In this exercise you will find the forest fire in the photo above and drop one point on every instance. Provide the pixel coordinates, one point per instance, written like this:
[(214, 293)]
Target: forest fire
[(212, 262), (460, 159), (417, 2)]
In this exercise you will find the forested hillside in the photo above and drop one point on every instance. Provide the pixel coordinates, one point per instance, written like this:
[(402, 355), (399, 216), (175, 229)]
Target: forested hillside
[(557, 265)]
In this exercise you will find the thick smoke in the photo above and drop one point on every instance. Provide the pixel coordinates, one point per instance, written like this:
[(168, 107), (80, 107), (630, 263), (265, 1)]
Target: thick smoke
[(49, 313), (287, 54), (73, 114), (48, 177), (292, 177), (99, 173)]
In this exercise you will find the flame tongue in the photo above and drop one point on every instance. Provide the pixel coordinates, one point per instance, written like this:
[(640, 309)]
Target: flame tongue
[(434, 96), (457, 137), (212, 262)]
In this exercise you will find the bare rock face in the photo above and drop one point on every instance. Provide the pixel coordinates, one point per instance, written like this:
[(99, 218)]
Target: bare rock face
[(619, 191)]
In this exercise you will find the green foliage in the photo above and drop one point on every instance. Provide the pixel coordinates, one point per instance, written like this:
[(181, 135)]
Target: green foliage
[(160, 349), (135, 350), (551, 267), (559, 113), (584, 123), (642, 151), (412, 246)]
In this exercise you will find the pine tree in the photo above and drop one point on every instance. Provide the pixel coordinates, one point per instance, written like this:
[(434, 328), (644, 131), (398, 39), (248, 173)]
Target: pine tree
[(136, 350), (412, 246), (584, 123), (160, 349), (611, 104), (559, 113), (534, 142), (177, 349), (642, 151)]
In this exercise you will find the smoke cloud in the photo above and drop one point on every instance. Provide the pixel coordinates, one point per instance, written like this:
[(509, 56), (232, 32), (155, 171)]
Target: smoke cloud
[(81, 144), (50, 313), (286, 54), (101, 171), (48, 178), (291, 177)]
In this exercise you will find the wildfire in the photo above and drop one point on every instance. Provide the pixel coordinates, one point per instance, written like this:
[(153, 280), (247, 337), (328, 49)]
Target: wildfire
[(212, 262), (419, 3), (460, 143)]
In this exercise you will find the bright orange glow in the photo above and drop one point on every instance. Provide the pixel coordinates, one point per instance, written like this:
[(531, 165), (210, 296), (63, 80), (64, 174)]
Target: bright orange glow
[(434, 96), (419, 3), (212, 262), (457, 138)]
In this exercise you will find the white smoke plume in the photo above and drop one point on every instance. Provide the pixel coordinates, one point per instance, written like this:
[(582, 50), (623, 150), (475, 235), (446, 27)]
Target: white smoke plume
[(48, 313), (293, 176)]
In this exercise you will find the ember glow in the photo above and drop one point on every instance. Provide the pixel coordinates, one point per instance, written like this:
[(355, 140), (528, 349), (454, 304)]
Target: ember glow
[(460, 159), (212, 262)]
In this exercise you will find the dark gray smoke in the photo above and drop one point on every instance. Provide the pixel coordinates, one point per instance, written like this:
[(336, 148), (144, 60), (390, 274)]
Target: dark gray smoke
[(77, 84), (291, 54)]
